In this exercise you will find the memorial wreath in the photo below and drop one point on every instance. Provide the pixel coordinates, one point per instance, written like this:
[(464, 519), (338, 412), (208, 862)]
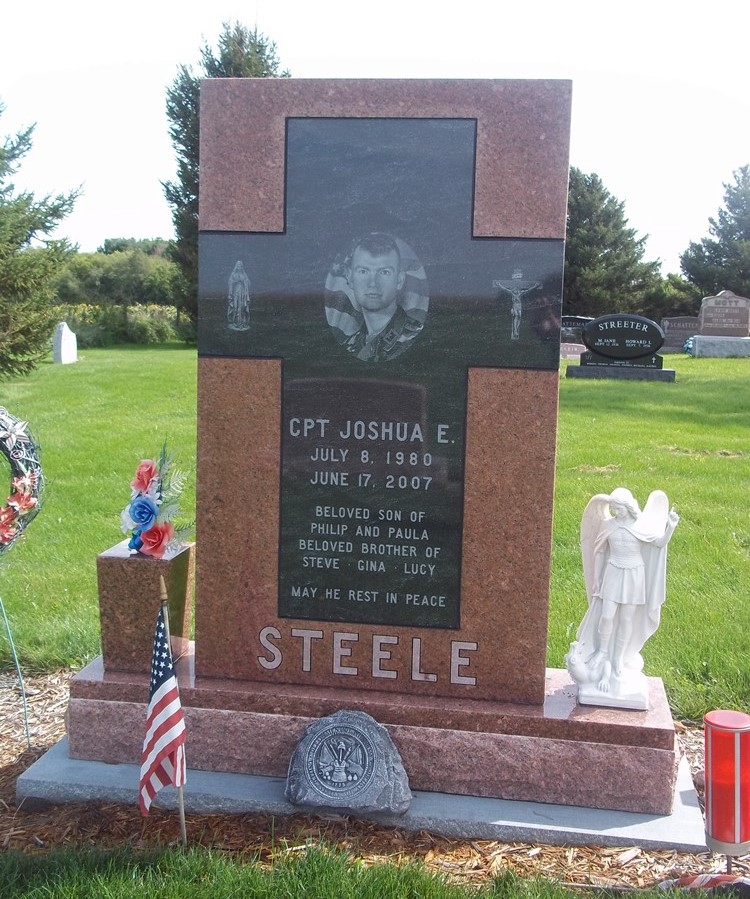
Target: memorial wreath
[(26, 483)]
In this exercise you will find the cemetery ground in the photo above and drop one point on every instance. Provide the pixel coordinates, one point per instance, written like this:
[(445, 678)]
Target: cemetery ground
[(95, 420)]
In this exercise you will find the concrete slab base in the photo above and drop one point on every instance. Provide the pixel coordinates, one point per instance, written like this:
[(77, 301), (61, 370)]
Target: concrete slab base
[(620, 372), (721, 347), (56, 778)]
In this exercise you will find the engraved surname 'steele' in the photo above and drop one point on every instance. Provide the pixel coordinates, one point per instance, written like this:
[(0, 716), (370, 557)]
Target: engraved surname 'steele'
[(376, 652)]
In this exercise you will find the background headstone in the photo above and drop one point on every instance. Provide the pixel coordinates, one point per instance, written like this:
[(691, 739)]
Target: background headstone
[(622, 345), (64, 345), (677, 329), (721, 347), (725, 315)]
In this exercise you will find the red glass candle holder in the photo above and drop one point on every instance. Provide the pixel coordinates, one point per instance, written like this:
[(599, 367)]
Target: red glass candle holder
[(727, 762)]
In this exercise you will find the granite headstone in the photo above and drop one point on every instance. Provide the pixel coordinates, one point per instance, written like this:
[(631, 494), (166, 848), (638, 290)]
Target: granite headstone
[(64, 345), (725, 315), (621, 345), (368, 513), (377, 402), (677, 329)]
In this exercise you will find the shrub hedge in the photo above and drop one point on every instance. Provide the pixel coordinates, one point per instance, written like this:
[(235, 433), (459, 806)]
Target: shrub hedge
[(109, 325)]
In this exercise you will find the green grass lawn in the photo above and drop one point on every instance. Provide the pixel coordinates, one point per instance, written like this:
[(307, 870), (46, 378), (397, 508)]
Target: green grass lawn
[(314, 873), (691, 439), (95, 420)]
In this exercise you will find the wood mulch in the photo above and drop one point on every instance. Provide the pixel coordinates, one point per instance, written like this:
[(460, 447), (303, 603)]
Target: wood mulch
[(107, 825)]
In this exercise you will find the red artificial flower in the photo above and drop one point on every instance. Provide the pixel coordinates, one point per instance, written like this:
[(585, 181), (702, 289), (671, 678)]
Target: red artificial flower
[(22, 502), (25, 483), (156, 539), (7, 532), (144, 474), (7, 515)]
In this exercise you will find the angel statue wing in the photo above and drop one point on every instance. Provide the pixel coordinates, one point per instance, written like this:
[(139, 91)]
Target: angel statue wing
[(650, 529), (653, 519), (594, 514)]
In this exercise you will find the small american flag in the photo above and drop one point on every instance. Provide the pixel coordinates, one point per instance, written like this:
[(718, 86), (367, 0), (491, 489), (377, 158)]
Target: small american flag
[(163, 758)]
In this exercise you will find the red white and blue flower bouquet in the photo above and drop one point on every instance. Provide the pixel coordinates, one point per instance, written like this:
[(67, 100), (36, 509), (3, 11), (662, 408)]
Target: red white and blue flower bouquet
[(153, 507)]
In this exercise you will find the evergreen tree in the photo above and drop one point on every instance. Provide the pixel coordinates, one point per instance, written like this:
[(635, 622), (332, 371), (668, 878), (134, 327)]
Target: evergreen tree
[(722, 261), (673, 295), (604, 268), (242, 53), (29, 262)]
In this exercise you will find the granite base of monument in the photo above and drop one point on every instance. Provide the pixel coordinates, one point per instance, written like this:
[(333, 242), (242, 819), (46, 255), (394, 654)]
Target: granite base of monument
[(559, 752), (129, 600), (620, 372), (721, 347)]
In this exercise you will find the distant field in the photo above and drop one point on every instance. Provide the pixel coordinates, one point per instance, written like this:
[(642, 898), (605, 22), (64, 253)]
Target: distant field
[(95, 420)]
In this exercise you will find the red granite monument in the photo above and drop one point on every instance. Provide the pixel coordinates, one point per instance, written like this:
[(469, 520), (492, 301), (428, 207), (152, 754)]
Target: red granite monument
[(381, 271)]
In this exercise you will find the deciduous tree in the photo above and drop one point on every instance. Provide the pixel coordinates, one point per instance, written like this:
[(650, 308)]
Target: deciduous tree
[(121, 277), (151, 246), (722, 261), (242, 53), (673, 295), (29, 262)]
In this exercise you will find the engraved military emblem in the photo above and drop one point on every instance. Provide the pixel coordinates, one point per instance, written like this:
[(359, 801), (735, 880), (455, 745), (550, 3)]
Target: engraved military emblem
[(341, 761), (347, 760)]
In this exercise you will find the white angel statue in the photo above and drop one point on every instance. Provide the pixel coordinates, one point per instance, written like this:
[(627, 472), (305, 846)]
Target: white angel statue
[(624, 565)]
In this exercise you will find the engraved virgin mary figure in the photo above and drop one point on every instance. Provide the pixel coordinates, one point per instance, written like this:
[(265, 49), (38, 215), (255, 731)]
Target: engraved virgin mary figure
[(238, 299)]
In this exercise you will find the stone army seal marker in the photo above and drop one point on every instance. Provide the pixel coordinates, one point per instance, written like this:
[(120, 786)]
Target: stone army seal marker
[(348, 761), (340, 761)]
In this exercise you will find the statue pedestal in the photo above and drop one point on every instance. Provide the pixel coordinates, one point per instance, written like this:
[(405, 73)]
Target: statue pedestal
[(627, 692)]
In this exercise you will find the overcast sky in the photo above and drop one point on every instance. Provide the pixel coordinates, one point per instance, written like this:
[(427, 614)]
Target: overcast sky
[(661, 90)]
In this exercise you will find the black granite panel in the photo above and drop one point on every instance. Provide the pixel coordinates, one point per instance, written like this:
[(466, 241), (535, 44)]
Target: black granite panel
[(378, 299)]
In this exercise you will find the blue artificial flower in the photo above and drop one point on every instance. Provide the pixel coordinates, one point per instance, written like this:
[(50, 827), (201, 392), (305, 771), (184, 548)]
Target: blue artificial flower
[(143, 512), (135, 540)]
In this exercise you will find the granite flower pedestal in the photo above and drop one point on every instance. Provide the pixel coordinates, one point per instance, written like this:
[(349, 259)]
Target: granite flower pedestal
[(129, 601)]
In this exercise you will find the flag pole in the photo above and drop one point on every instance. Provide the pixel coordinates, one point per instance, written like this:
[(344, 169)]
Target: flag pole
[(180, 790)]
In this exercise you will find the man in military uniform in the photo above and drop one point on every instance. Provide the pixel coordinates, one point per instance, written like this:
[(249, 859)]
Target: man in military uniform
[(376, 278)]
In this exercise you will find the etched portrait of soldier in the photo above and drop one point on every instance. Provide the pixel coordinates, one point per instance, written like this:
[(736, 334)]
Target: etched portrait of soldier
[(376, 297)]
